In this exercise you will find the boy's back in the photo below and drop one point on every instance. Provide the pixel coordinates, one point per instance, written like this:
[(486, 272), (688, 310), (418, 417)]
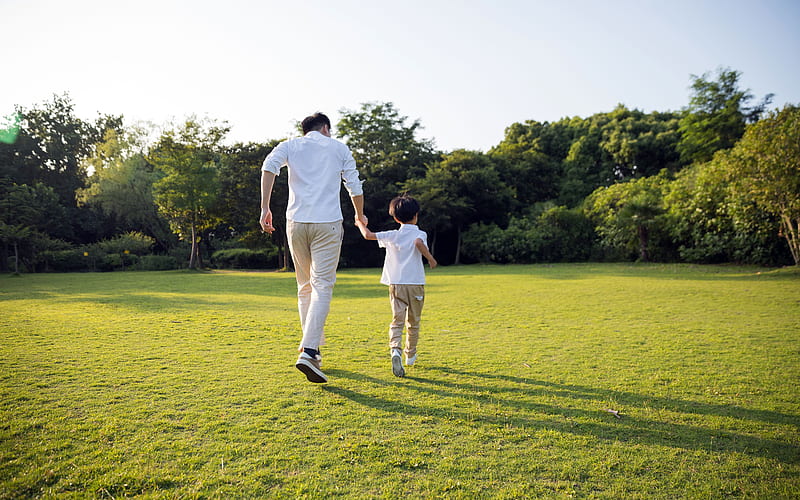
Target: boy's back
[(403, 263)]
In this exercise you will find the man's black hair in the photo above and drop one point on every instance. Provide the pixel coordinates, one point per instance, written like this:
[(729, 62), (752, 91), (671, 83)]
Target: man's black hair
[(403, 208), (315, 122)]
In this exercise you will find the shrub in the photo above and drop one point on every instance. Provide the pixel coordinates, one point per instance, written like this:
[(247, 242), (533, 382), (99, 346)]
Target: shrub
[(157, 263), (133, 243), (557, 235), (117, 262), (63, 261), (242, 258)]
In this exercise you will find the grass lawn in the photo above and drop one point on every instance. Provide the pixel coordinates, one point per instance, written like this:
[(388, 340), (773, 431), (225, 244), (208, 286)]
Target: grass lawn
[(182, 385)]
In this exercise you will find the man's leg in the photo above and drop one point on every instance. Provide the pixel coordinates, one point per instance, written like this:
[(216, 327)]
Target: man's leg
[(297, 235), (325, 248)]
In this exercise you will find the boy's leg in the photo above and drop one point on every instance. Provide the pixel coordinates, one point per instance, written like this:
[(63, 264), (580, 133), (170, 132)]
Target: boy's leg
[(415, 299), (399, 308)]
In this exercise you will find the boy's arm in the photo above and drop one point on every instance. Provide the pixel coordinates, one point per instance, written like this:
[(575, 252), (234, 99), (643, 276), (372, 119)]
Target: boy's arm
[(423, 249), (366, 233)]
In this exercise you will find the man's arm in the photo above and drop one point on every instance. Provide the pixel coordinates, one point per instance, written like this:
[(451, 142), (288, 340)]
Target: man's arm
[(267, 181), (272, 165), (358, 205), (423, 249)]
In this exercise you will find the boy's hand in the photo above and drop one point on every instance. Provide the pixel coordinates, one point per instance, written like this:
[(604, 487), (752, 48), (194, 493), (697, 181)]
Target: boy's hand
[(433, 263)]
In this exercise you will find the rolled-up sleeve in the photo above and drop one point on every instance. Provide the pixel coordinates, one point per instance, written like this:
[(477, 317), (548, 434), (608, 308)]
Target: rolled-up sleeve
[(276, 159), (350, 175)]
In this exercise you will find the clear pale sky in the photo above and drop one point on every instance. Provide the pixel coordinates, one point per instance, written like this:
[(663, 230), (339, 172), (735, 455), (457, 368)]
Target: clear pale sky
[(466, 69)]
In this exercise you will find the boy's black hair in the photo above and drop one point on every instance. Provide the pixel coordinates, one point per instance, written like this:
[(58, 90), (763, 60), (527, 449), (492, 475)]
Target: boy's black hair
[(403, 208), (315, 122)]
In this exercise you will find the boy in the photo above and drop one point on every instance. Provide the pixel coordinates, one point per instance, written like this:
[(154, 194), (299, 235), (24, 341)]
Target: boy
[(404, 273)]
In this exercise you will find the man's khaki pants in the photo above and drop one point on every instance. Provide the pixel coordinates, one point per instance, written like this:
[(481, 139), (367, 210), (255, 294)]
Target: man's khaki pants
[(407, 302), (315, 249)]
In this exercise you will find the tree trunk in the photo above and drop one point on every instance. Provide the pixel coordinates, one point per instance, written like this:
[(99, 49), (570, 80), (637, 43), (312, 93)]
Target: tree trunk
[(16, 258), (643, 243), (458, 246), (193, 252), (791, 231)]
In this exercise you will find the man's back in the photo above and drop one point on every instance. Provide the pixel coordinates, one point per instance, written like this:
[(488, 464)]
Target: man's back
[(317, 164)]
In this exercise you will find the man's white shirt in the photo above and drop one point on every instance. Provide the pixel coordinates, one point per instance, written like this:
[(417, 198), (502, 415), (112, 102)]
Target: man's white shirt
[(317, 164)]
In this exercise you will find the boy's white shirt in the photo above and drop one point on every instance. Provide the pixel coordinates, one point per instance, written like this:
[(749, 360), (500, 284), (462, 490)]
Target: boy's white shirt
[(403, 263)]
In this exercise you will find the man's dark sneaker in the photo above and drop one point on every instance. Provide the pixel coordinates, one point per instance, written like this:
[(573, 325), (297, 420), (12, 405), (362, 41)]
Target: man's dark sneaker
[(311, 368)]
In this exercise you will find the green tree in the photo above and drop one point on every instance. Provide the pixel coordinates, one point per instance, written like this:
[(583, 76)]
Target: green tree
[(568, 159), (531, 174), (49, 148), (627, 214), (766, 170), (639, 144), (52, 143), (121, 184), (239, 181), (711, 222), (188, 160), (464, 187), (388, 153), (28, 215), (383, 145), (717, 114), (14, 235)]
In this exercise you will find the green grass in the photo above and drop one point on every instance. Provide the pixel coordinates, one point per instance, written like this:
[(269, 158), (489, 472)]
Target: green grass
[(182, 385)]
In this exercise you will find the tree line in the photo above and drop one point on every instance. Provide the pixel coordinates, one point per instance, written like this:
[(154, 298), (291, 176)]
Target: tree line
[(718, 181)]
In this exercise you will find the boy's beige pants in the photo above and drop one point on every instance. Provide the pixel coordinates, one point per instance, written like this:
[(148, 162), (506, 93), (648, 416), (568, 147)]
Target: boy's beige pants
[(407, 302)]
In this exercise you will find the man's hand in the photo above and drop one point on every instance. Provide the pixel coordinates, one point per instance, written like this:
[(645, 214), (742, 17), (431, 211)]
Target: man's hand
[(266, 221)]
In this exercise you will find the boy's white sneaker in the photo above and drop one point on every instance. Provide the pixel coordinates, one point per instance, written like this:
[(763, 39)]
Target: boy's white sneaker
[(397, 364), (410, 361)]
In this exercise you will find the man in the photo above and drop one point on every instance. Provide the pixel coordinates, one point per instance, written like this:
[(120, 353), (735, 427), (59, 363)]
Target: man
[(317, 164)]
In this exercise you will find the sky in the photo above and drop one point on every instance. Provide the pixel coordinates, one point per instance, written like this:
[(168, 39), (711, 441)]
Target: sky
[(466, 69)]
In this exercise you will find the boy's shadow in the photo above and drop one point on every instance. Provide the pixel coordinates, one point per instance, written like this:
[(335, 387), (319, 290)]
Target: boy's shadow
[(598, 423)]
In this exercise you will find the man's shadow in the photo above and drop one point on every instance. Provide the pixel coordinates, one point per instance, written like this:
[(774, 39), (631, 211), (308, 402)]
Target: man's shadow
[(518, 395)]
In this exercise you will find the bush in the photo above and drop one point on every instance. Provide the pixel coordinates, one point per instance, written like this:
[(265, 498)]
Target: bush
[(565, 235), (557, 235), (242, 258), (64, 261), (117, 262), (133, 243), (157, 263)]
